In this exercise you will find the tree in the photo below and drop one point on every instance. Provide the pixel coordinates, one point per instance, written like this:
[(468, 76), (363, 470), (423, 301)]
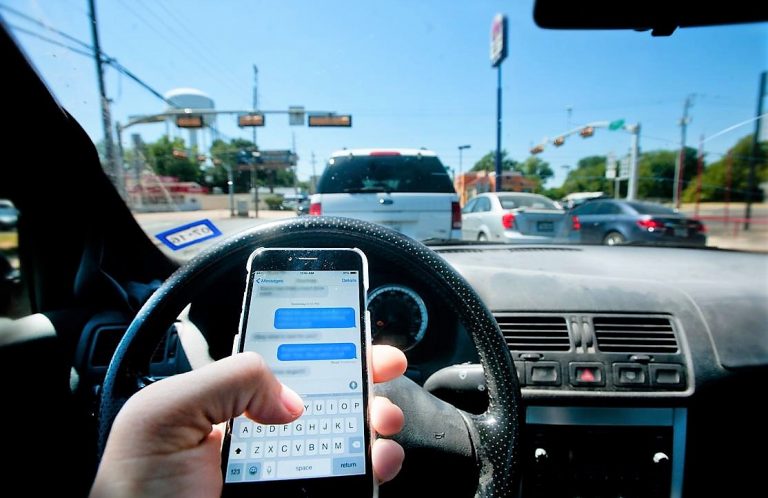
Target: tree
[(714, 181), (488, 162), (589, 176), (239, 152), (537, 169), (656, 173), (164, 162)]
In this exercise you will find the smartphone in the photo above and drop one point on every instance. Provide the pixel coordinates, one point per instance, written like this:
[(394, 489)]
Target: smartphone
[(304, 312)]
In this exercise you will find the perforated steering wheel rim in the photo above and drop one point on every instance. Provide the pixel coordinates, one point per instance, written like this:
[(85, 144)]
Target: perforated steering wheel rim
[(495, 432)]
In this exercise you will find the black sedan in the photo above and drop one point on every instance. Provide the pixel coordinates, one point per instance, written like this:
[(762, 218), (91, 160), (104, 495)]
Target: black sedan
[(613, 222)]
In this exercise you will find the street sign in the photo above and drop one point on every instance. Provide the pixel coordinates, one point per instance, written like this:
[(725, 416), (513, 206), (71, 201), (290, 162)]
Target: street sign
[(328, 120), (255, 119), (296, 115), (610, 167), (624, 168), (268, 157), (498, 39), (616, 125)]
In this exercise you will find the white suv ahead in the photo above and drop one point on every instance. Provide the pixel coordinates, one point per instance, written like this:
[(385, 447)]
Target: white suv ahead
[(408, 190)]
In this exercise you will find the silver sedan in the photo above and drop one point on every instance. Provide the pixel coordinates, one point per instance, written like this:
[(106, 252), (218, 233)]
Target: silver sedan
[(511, 217)]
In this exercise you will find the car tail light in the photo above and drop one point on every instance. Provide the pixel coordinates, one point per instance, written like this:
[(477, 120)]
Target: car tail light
[(315, 209), (455, 216), (575, 223), (650, 224), (384, 153), (701, 227), (508, 221)]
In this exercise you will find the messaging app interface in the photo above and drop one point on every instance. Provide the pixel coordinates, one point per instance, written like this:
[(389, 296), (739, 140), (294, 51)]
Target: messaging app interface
[(306, 324)]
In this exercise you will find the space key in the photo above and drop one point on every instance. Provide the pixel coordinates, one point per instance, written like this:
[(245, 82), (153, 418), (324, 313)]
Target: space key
[(297, 469)]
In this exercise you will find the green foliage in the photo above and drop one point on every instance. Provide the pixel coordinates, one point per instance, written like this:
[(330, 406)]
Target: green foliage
[(589, 176), (715, 177), (273, 202), (161, 159), (225, 155), (657, 173), (488, 162)]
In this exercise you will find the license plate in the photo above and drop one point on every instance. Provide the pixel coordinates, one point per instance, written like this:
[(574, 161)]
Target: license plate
[(545, 226), (681, 232)]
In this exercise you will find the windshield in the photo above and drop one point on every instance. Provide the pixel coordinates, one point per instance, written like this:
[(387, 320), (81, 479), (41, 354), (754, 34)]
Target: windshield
[(220, 117), (395, 173), (518, 201), (651, 208)]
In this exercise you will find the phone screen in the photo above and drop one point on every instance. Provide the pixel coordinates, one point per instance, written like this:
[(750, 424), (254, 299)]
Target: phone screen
[(307, 326)]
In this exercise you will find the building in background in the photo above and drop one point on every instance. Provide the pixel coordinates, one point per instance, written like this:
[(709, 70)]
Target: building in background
[(472, 183)]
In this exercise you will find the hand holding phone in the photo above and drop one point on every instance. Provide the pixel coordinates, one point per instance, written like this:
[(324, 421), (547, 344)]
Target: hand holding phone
[(304, 312)]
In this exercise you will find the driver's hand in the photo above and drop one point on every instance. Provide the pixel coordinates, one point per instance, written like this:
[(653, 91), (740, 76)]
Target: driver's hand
[(166, 441)]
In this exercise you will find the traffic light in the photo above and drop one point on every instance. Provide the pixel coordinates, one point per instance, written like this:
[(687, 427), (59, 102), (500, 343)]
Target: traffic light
[(189, 121), (255, 119), (558, 141), (537, 149), (587, 131), (344, 120)]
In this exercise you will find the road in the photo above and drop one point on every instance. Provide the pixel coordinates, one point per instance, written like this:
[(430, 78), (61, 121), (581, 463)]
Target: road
[(726, 235), (154, 223)]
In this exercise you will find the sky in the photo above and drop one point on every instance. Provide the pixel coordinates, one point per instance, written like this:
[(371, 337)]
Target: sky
[(411, 73)]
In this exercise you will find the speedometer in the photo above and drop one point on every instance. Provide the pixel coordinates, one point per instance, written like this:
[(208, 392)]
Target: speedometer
[(398, 316)]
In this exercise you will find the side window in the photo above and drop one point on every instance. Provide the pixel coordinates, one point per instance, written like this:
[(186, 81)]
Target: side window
[(608, 208), (587, 208), (469, 206), (483, 204), (14, 303)]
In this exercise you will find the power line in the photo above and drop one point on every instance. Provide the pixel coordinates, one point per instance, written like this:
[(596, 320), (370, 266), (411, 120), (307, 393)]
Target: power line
[(45, 25), (171, 41), (106, 59), (52, 41), (193, 38)]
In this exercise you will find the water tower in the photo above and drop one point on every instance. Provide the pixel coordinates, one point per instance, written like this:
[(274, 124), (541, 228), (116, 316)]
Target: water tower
[(191, 98)]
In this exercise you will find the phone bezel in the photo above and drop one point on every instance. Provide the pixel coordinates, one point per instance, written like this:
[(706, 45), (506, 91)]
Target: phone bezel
[(319, 259)]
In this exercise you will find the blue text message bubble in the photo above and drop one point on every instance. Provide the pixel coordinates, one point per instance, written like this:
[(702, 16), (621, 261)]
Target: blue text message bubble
[(317, 351), (314, 318)]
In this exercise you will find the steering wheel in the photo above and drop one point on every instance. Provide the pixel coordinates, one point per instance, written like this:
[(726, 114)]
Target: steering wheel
[(487, 444)]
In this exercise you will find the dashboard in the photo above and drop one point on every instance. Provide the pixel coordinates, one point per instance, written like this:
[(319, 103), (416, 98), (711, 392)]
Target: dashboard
[(628, 357)]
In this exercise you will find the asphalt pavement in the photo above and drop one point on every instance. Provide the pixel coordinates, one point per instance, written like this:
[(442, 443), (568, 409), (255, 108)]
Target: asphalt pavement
[(725, 227)]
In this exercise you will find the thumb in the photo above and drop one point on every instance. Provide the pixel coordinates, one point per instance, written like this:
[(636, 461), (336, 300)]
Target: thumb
[(183, 408)]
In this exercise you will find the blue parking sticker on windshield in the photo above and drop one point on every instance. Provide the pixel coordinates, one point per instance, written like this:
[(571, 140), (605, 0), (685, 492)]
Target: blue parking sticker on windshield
[(189, 234)]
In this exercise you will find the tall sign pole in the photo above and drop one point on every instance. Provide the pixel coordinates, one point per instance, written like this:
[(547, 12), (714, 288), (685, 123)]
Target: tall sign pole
[(498, 54)]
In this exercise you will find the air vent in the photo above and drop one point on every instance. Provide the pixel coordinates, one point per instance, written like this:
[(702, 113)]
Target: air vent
[(535, 333), (630, 334)]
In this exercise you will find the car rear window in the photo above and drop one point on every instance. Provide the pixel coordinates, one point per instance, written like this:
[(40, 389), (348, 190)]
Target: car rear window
[(643, 208), (351, 174), (517, 201)]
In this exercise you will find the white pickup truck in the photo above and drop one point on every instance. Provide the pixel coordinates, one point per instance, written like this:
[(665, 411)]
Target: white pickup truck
[(408, 190)]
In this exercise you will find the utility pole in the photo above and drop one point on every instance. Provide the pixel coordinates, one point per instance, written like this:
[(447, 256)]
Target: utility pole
[(255, 158), (755, 151), (677, 186), (461, 173), (634, 153), (106, 117), (314, 174)]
